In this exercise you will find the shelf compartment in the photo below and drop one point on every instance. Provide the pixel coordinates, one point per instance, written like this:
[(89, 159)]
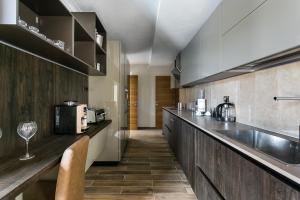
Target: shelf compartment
[(24, 39), (100, 58), (85, 51), (57, 23), (80, 33), (91, 23), (54, 27), (99, 49)]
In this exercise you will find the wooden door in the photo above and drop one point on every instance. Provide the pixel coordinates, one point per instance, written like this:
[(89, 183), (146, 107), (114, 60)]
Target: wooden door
[(164, 97), (133, 102)]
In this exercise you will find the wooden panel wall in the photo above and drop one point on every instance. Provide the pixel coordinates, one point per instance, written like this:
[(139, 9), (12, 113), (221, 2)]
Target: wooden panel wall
[(30, 87)]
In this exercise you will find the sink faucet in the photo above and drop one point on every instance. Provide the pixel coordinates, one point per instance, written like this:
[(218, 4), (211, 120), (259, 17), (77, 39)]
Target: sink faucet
[(289, 99)]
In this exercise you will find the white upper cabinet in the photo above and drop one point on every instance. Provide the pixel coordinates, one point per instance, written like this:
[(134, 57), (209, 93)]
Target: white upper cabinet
[(233, 11), (201, 58), (272, 28), (240, 32)]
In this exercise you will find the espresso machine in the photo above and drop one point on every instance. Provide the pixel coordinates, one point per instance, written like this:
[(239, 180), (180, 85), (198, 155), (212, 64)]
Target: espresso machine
[(70, 118)]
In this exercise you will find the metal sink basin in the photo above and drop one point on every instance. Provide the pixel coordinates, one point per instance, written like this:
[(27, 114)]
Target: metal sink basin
[(282, 149)]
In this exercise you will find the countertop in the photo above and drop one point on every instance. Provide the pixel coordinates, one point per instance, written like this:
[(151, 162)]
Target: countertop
[(209, 125), (16, 175)]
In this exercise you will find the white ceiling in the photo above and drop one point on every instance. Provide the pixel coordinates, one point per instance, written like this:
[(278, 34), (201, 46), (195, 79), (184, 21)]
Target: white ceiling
[(152, 31)]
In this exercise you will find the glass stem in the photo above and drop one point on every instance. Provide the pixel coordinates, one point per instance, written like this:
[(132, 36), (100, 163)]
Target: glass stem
[(27, 153)]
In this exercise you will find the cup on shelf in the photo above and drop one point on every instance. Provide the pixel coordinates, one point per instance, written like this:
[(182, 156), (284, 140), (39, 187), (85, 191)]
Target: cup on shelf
[(99, 39), (59, 44), (34, 29), (50, 40), (98, 67), (22, 23)]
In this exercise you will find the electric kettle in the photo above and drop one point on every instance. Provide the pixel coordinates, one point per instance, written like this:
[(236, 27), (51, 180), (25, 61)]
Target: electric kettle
[(226, 111)]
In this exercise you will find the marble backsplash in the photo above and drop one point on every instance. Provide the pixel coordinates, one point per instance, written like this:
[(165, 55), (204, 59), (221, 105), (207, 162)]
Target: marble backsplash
[(253, 96)]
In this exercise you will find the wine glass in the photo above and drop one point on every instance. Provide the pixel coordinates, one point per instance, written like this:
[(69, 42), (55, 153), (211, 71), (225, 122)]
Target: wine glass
[(27, 130)]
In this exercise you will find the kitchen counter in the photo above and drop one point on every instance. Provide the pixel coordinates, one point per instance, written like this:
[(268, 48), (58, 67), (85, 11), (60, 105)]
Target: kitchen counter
[(210, 125), (16, 175)]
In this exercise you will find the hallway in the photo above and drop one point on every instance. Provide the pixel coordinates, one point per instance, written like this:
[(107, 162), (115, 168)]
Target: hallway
[(148, 171)]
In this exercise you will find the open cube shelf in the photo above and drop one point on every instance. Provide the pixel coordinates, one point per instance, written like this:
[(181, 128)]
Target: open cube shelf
[(55, 23)]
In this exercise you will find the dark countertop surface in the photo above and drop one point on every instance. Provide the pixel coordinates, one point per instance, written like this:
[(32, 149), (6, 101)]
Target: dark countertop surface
[(209, 125), (16, 175)]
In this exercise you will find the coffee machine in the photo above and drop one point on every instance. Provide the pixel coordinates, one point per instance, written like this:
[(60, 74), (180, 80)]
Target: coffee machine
[(70, 118)]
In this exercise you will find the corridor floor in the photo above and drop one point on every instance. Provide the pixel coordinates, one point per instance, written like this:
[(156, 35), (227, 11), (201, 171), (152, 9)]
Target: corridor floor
[(148, 171)]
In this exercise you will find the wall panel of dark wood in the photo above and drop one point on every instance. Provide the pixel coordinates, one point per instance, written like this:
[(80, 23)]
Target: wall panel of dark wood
[(30, 87)]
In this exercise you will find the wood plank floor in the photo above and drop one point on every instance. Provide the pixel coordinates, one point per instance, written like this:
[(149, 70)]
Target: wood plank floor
[(148, 171)]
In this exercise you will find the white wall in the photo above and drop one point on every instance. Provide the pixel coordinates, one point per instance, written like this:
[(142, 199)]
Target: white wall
[(146, 91)]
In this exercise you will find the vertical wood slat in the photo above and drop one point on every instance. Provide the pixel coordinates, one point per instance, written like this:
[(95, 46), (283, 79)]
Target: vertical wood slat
[(30, 87)]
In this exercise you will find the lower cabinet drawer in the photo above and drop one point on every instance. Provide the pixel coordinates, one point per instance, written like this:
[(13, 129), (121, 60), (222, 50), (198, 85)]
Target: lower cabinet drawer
[(204, 189), (221, 170)]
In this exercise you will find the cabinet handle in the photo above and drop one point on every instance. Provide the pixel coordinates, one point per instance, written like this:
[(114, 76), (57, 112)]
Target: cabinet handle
[(210, 183)]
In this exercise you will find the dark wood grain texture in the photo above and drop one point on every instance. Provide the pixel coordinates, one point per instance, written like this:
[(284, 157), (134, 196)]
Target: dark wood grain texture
[(30, 88), (203, 188), (236, 177), (181, 136), (221, 172), (16, 175)]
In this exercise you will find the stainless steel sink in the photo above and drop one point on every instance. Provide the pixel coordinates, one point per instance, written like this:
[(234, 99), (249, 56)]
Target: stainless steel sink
[(282, 149)]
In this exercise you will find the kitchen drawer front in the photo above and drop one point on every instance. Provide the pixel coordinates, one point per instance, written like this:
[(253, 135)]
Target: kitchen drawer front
[(204, 189), (234, 176), (187, 151), (210, 158)]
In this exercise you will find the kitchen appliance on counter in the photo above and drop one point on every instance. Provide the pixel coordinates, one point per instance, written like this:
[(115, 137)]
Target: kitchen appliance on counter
[(95, 115), (226, 111), (201, 104), (70, 118)]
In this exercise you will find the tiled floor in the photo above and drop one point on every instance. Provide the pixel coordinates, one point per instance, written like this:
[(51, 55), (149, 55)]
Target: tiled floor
[(148, 171)]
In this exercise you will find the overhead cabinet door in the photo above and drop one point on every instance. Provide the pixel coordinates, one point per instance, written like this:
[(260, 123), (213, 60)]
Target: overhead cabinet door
[(201, 58), (270, 29), (233, 11)]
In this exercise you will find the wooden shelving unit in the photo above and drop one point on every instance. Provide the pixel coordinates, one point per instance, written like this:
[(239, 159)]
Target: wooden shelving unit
[(77, 30), (91, 24)]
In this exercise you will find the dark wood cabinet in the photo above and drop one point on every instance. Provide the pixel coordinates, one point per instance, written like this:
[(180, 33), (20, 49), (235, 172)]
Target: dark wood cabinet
[(186, 138), (180, 136), (216, 171), (204, 189), (77, 30), (234, 176)]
